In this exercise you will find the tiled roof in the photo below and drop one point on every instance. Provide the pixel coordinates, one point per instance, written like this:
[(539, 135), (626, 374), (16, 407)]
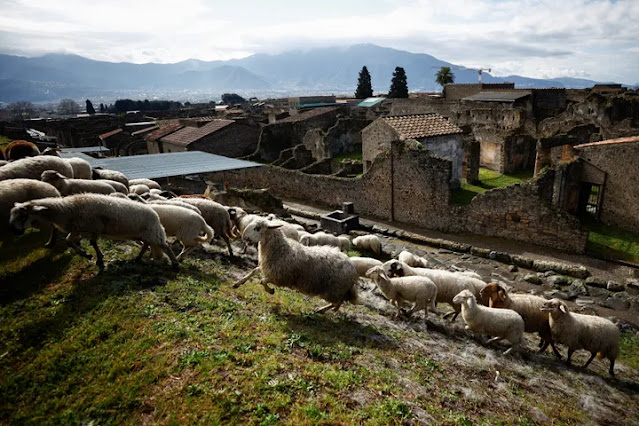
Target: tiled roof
[(498, 96), (140, 132), (307, 114), (188, 135), (109, 134), (421, 126), (629, 139), (163, 131)]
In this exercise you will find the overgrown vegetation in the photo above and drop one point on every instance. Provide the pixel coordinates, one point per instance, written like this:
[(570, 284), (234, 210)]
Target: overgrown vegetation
[(140, 343), (488, 179), (610, 242)]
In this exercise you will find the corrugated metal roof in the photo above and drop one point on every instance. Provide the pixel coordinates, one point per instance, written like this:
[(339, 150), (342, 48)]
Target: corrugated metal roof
[(152, 166), (370, 102), (497, 96), (188, 135), (629, 139), (96, 148), (421, 125)]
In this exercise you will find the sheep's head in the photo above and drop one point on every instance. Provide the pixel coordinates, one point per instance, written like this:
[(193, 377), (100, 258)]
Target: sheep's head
[(394, 268), (554, 306), (376, 271), (463, 296), (493, 291), (254, 232), (50, 176), (24, 215)]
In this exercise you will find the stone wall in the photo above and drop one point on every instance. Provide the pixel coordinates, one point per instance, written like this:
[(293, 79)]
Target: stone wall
[(376, 139), (412, 186), (343, 137), (451, 147), (234, 140), (620, 204)]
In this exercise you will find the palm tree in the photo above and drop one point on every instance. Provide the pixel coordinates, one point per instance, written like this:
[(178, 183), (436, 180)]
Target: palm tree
[(444, 76)]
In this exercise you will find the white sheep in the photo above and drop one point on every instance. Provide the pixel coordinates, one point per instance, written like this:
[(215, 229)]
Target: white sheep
[(412, 260), (500, 323), (323, 239), (317, 271), (81, 168), (117, 186), (3, 163), (138, 189), (176, 202), (363, 264), (18, 191), (448, 283), (216, 216), (148, 182), (68, 186), (184, 224), (95, 215), (526, 305), (597, 335), (32, 167), (100, 173), (368, 242), (421, 291)]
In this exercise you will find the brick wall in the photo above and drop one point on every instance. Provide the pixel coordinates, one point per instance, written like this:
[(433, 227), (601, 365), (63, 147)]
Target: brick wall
[(620, 204), (234, 140), (412, 186)]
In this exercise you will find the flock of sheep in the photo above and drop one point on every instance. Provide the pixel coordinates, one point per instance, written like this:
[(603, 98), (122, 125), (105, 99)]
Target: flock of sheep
[(55, 194)]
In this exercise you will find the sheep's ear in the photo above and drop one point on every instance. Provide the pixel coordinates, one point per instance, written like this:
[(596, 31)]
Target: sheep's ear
[(502, 294), (469, 303), (563, 309), (37, 209), (274, 225)]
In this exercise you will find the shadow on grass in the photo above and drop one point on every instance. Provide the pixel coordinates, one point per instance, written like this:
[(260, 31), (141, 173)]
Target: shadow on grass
[(119, 278), (330, 330)]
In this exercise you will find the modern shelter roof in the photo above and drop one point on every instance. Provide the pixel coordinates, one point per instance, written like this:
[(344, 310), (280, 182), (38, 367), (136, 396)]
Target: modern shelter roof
[(497, 96), (96, 148), (152, 166), (370, 102)]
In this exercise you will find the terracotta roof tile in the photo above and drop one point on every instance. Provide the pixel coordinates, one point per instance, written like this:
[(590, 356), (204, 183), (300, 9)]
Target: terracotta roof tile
[(188, 135), (421, 126), (109, 134), (307, 114), (163, 131), (617, 141)]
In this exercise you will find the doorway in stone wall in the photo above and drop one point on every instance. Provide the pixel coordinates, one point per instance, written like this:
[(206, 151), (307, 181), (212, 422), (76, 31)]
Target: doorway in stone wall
[(589, 199)]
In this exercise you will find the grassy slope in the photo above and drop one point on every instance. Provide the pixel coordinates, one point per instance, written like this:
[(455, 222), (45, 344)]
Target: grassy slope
[(612, 243), (488, 179), (141, 343)]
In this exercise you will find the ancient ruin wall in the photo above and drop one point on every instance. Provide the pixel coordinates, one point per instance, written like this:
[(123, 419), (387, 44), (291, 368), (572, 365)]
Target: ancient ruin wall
[(620, 204)]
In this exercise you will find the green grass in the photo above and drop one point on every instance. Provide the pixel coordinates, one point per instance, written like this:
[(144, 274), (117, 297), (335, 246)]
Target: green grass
[(488, 179), (350, 155), (141, 343), (4, 141), (612, 243)]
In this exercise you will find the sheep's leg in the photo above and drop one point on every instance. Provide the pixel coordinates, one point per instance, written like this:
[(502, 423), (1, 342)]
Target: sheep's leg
[(512, 348), (268, 289), (327, 307), (52, 237), (71, 240), (555, 351), (98, 253), (246, 277), (143, 250), (612, 367), (185, 250), (228, 244), (174, 262), (494, 339), (592, 356), (570, 352)]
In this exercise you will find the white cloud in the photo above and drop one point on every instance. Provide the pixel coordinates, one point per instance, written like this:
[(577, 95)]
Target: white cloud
[(544, 38)]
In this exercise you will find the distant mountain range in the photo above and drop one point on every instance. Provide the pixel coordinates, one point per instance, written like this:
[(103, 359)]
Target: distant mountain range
[(330, 70)]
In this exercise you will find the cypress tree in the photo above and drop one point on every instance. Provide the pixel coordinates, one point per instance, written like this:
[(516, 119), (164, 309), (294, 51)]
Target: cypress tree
[(364, 85), (399, 85)]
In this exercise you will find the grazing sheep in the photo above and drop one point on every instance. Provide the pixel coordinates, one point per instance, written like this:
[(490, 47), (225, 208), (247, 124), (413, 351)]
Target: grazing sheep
[(18, 191), (412, 260), (32, 167), (597, 335), (363, 264), (139, 189), (184, 224), (500, 323), (81, 168), (448, 283), (323, 239), (100, 173), (419, 290), (68, 186), (95, 215), (368, 242), (216, 216), (176, 202), (526, 305), (117, 186), (148, 182), (315, 271), (19, 149)]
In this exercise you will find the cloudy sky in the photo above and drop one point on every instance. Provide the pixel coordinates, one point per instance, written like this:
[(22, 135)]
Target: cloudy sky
[(596, 39)]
